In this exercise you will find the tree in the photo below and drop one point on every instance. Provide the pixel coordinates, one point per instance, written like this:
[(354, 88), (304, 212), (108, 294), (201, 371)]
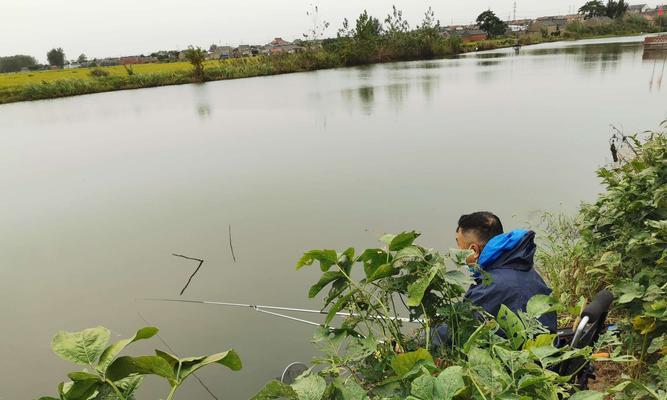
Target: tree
[(491, 24), (367, 27), (56, 57), (16, 63), (196, 56), (593, 8), (318, 28), (616, 9), (82, 59)]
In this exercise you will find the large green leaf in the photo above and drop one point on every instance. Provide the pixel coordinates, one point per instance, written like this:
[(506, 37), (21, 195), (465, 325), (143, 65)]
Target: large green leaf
[(123, 367), (588, 395), (449, 383), (349, 390), (82, 348), (417, 289), (403, 363), (310, 387), (325, 279), (327, 258), (80, 390), (512, 326), (229, 359), (372, 260), (112, 351), (402, 240), (423, 387), (541, 304), (383, 271), (276, 390)]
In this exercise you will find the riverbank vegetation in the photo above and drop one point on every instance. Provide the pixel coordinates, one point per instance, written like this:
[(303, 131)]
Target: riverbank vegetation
[(617, 243), (108, 376), (366, 40)]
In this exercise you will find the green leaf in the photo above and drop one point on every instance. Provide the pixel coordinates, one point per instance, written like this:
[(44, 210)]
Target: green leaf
[(512, 326), (342, 302), (229, 359), (276, 390), (310, 387), (403, 363), (460, 278), (327, 258), (540, 341), (423, 386), (417, 289), (482, 331), (80, 390), (658, 344), (402, 240), (460, 256), (383, 271), (123, 367), (449, 383), (349, 390), (82, 376), (112, 351), (387, 238), (129, 385), (372, 260), (325, 279), (409, 253), (541, 304), (82, 348), (587, 395)]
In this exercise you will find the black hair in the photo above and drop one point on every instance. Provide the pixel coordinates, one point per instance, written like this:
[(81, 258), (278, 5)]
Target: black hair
[(484, 224)]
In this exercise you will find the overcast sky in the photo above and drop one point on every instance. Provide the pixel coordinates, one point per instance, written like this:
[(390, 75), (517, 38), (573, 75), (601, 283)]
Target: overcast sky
[(101, 28)]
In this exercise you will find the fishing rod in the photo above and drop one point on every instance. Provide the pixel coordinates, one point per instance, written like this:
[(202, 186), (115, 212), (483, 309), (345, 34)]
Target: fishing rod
[(264, 309)]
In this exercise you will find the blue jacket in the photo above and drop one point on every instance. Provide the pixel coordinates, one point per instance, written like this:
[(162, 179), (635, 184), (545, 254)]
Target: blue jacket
[(508, 259)]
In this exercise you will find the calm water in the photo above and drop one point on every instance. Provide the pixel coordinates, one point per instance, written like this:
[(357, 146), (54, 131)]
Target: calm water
[(99, 190)]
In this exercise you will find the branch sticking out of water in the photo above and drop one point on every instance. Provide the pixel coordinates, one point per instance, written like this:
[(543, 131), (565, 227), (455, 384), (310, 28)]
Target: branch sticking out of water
[(194, 273), (230, 243)]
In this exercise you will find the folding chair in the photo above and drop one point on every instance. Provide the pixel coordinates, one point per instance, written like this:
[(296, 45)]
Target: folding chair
[(590, 326)]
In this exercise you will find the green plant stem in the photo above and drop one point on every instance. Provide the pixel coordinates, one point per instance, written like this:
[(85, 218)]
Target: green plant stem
[(171, 392), (115, 389)]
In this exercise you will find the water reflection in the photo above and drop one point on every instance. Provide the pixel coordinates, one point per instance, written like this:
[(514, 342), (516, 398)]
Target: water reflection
[(203, 107)]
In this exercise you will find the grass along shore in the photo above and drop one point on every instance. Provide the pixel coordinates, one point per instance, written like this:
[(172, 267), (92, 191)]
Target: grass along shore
[(38, 85)]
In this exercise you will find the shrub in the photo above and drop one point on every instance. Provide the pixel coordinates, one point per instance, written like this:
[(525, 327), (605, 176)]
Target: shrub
[(99, 73)]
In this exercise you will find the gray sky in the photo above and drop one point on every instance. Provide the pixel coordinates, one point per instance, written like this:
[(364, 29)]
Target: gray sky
[(102, 28)]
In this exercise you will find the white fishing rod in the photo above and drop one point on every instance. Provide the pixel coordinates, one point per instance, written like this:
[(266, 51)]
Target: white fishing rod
[(264, 309)]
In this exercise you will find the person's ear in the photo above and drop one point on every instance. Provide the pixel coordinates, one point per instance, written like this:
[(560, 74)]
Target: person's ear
[(472, 259)]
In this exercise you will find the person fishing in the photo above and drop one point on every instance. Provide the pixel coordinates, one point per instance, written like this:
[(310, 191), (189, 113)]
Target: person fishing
[(508, 260)]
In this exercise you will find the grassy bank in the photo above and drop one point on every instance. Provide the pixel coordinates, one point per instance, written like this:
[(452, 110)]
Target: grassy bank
[(368, 43)]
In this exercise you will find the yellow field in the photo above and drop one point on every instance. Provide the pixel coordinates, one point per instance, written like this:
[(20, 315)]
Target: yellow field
[(25, 78)]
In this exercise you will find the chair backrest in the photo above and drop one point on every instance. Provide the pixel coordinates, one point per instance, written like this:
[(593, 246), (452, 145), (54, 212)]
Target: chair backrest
[(586, 333)]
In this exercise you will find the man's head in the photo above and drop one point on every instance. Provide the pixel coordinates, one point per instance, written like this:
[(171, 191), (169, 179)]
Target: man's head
[(475, 230)]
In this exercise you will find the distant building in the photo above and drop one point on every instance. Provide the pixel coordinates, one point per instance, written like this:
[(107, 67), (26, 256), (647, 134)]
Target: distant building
[(220, 52), (127, 60), (552, 25), (72, 65), (467, 34), (639, 9), (281, 46), (109, 61)]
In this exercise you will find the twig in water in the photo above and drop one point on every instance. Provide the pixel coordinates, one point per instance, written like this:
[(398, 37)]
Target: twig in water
[(194, 273), (164, 342), (230, 243)]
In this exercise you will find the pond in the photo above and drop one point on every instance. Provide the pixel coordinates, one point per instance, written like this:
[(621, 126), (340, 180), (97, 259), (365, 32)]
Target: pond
[(98, 191)]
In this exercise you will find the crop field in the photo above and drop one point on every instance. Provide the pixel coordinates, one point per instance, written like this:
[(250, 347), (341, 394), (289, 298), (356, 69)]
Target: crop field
[(17, 79)]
